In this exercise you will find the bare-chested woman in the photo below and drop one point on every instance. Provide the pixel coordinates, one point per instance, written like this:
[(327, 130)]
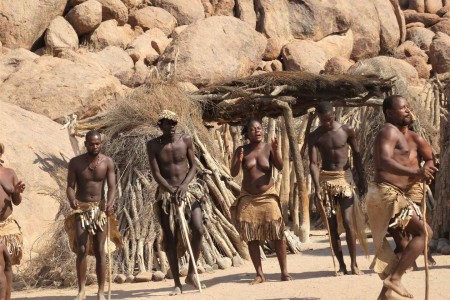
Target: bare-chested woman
[(256, 212), (11, 189)]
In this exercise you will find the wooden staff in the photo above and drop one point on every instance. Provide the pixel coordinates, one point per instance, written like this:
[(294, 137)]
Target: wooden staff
[(325, 220), (109, 259), (183, 226), (424, 212)]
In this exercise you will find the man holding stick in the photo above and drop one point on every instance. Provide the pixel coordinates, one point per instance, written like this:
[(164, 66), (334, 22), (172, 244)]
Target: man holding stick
[(173, 166), (334, 186), (388, 207), (88, 224)]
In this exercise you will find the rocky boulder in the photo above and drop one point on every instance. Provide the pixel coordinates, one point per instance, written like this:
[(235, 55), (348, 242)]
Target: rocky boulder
[(144, 45), (427, 19), (390, 34), (409, 49), (440, 53), (422, 37), (421, 66), (151, 17), (109, 34), (22, 22), (56, 87), (274, 24), (114, 10), (37, 149), (60, 35), (185, 11), (245, 11), (433, 6), (304, 55), (337, 66), (223, 7), (85, 17), (215, 49), (131, 4), (312, 19), (417, 5), (442, 26)]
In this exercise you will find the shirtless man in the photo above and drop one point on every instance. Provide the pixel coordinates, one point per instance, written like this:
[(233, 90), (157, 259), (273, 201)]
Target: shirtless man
[(85, 190), (333, 183), (173, 166), (387, 206)]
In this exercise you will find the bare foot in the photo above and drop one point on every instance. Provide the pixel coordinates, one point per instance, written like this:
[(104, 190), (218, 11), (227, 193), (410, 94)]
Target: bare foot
[(258, 279), (191, 280), (397, 287), (176, 291), (357, 271), (286, 277), (431, 261), (415, 267), (81, 295), (101, 296), (342, 271)]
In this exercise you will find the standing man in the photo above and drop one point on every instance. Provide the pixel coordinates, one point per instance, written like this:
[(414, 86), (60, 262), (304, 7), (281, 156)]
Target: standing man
[(87, 226), (334, 183), (173, 166), (388, 207)]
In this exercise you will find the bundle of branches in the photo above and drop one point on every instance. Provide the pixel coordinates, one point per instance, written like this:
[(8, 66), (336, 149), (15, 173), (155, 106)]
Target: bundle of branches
[(127, 127)]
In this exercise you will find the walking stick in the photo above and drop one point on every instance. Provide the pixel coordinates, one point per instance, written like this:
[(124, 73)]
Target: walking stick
[(424, 212), (109, 259), (186, 236), (324, 217)]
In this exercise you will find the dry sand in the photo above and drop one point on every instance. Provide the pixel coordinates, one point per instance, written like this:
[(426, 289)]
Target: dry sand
[(313, 279)]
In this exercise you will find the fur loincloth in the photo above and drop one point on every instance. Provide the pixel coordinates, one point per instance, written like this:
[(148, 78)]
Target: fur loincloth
[(340, 184), (387, 206), (258, 217), (92, 219), (11, 237), (196, 192)]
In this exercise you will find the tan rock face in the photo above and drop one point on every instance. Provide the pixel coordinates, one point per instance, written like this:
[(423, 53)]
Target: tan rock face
[(337, 65), (142, 46), (35, 147), (417, 5), (311, 19), (151, 17), (114, 9), (22, 22), (304, 55), (409, 49), (390, 34), (246, 12), (432, 6), (440, 53), (273, 22), (85, 17), (60, 35), (184, 11), (56, 87), (366, 30), (442, 26), (427, 19), (223, 7), (423, 70), (109, 34), (215, 49), (422, 37)]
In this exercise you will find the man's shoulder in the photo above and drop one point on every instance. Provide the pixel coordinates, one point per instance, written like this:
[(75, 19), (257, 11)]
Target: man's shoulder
[(154, 141)]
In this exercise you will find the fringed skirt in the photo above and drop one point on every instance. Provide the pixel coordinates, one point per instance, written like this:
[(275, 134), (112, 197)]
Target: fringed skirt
[(258, 217), (11, 237)]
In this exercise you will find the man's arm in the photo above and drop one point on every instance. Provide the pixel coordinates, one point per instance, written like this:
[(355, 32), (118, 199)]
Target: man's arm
[(313, 167), (424, 150), (71, 184), (357, 159), (111, 182), (19, 187), (155, 169), (181, 191)]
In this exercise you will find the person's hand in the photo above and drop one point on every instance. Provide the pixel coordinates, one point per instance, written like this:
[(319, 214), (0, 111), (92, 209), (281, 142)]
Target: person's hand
[(109, 208), (274, 144), (180, 194), (74, 204), (19, 187), (318, 194), (426, 172), (241, 155)]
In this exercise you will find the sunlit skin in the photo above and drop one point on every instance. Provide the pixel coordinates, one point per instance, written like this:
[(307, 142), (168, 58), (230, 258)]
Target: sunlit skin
[(173, 166), (257, 160), (333, 140), (86, 177), (393, 165)]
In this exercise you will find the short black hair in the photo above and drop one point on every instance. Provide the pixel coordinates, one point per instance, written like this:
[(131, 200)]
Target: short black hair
[(324, 107), (92, 133), (388, 102), (249, 121)]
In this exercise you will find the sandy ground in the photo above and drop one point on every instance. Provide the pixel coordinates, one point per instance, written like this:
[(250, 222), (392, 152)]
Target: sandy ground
[(313, 279)]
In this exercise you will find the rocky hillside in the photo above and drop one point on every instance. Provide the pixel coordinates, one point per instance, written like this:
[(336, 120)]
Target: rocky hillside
[(59, 57)]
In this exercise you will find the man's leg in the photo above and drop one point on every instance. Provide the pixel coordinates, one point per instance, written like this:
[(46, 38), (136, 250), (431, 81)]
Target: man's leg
[(280, 249), (255, 255), (82, 251), (100, 260), (410, 253), (350, 233), (336, 244), (171, 250), (197, 230)]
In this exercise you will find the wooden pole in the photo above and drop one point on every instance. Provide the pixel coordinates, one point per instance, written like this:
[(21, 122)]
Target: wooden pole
[(109, 260), (424, 212)]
